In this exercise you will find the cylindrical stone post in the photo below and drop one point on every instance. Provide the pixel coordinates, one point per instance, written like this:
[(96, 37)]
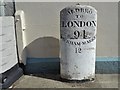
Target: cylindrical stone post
[(78, 26)]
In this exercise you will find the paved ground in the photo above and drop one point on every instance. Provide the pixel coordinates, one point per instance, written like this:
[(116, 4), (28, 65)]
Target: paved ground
[(54, 81)]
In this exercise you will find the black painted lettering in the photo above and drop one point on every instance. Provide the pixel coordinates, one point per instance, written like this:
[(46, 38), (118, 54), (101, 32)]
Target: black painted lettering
[(78, 50), (88, 23), (94, 23), (76, 24), (76, 34), (70, 24)]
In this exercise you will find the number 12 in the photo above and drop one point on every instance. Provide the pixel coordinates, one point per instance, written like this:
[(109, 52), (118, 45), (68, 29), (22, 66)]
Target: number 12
[(78, 50)]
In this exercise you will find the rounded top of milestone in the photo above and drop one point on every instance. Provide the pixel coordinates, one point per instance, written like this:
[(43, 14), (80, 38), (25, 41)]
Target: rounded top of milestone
[(78, 8)]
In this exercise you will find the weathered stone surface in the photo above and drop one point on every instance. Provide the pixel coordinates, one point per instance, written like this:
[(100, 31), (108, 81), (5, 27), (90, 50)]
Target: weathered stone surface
[(7, 44), (78, 42), (7, 8)]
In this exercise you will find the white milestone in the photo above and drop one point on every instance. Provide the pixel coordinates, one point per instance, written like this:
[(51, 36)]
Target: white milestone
[(78, 26)]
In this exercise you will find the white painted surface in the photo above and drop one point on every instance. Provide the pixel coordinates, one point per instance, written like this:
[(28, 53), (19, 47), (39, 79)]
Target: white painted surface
[(42, 20), (20, 31), (78, 42), (8, 44)]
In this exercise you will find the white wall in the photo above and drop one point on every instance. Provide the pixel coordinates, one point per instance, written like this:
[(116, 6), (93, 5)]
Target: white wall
[(43, 24)]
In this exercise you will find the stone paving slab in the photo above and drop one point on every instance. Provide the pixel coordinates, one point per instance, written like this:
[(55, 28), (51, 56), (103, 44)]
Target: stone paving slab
[(54, 81)]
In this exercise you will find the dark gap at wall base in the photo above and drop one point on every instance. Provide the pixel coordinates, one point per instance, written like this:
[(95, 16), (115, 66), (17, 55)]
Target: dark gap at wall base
[(107, 67), (52, 66)]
